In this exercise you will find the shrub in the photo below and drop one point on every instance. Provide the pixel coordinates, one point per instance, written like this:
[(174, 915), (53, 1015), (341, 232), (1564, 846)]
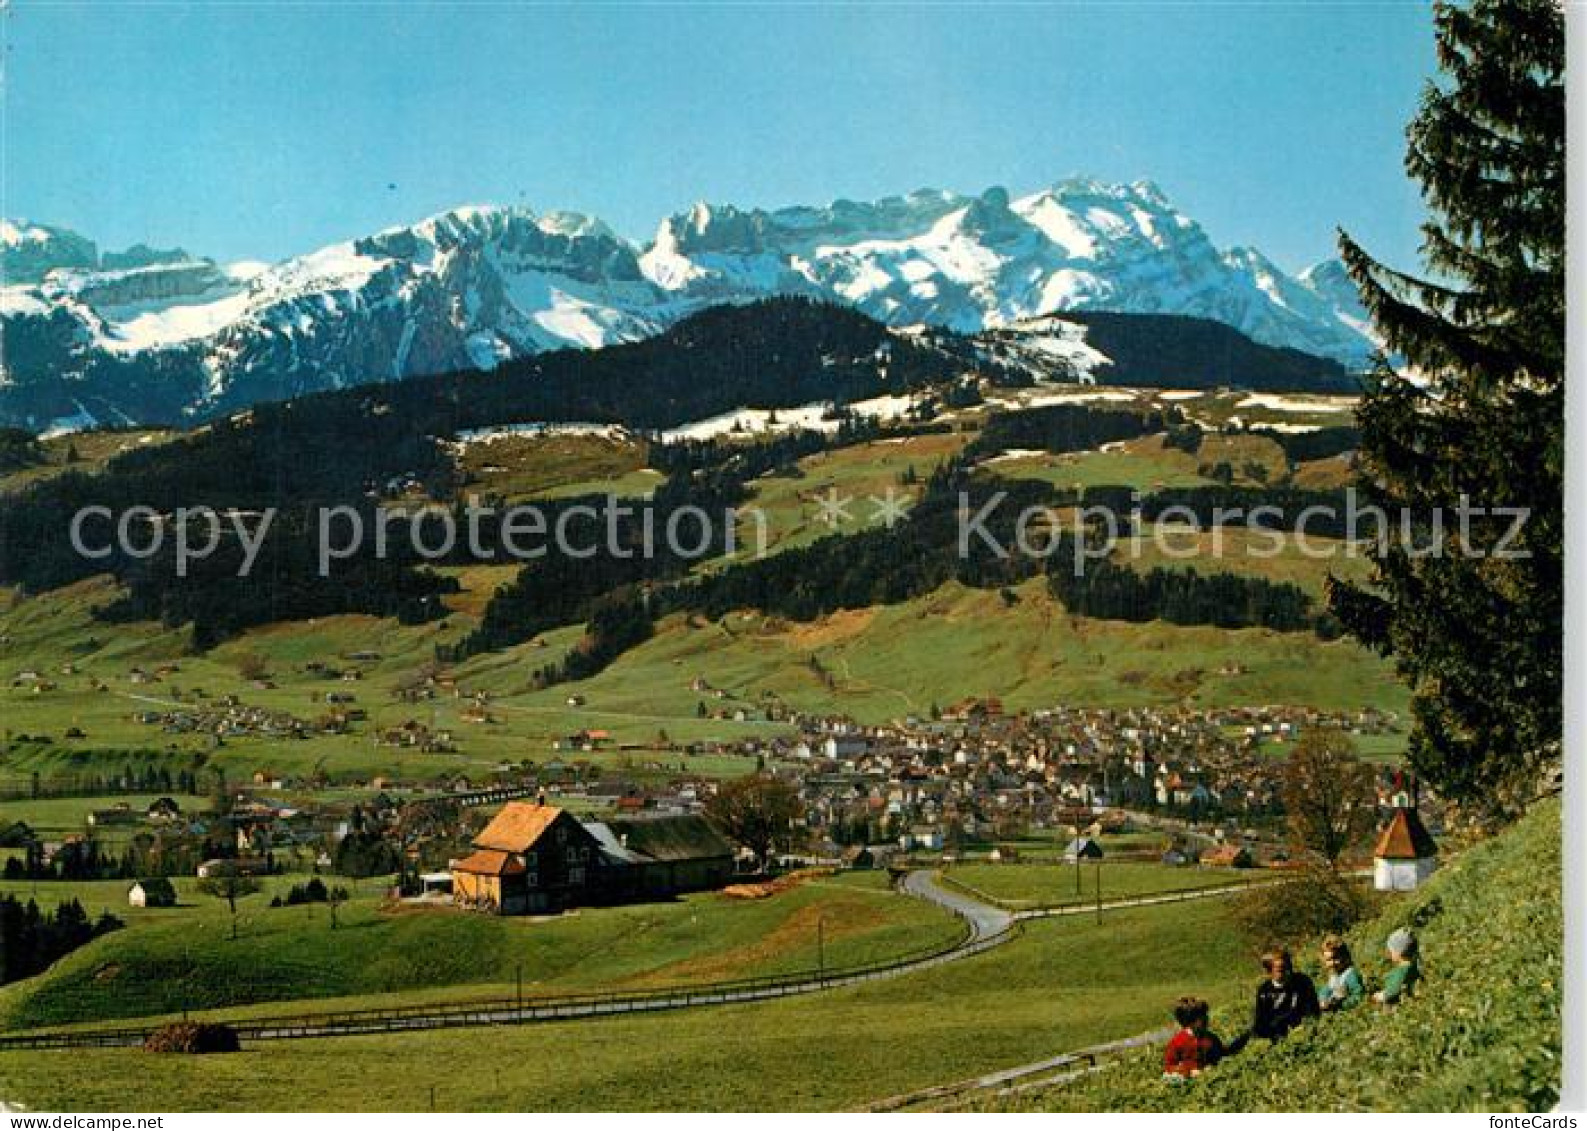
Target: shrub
[(1316, 902)]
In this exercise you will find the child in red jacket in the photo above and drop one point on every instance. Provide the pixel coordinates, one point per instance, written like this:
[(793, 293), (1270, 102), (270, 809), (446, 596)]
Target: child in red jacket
[(1192, 1048)]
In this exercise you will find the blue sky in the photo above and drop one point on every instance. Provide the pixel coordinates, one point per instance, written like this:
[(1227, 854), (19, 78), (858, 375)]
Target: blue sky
[(243, 130)]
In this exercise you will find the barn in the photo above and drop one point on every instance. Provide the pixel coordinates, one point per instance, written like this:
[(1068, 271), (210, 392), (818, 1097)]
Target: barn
[(675, 854), (155, 892), (531, 859), (535, 859)]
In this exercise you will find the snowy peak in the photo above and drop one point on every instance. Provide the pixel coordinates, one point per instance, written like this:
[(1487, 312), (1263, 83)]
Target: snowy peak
[(30, 251), (475, 286), (974, 262)]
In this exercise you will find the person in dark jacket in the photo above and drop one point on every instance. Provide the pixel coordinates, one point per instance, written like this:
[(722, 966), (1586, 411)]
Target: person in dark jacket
[(1285, 998)]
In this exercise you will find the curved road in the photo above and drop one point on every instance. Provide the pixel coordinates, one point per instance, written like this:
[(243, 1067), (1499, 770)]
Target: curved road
[(985, 920)]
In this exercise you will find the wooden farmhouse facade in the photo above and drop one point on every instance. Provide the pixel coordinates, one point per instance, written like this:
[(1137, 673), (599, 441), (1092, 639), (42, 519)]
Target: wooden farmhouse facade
[(539, 859)]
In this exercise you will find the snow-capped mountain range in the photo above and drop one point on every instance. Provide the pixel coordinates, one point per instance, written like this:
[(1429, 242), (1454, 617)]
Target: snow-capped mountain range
[(148, 335)]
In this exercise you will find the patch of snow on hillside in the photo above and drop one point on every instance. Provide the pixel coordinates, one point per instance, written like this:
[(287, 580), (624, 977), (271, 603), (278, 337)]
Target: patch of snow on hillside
[(884, 407), (542, 428), (1052, 396), (1289, 426), (811, 417), (1276, 402), (1013, 454), (20, 301), (179, 322)]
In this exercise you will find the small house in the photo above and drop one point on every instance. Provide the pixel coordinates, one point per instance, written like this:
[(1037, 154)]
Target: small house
[(530, 859), (157, 891), (1083, 848), (1406, 853)]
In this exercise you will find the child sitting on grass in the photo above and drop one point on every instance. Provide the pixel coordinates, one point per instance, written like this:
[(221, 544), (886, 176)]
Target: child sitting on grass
[(1193, 1048), (1403, 975), (1345, 989)]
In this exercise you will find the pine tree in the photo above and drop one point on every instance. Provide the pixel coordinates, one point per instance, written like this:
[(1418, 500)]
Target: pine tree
[(1475, 411)]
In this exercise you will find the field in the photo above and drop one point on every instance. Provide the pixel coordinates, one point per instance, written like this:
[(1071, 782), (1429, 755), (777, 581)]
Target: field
[(1482, 1032), (516, 468), (57, 630), (881, 663), (1306, 561), (87, 452), (876, 664), (1039, 995), (1150, 464), (1023, 887), (172, 959), (1146, 463), (1215, 410), (858, 473)]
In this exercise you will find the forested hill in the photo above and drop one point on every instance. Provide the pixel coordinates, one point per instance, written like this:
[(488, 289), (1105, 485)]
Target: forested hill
[(359, 446), (1203, 354)]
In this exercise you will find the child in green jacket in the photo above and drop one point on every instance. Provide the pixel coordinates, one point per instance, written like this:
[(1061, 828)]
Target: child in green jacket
[(1403, 975), (1345, 989)]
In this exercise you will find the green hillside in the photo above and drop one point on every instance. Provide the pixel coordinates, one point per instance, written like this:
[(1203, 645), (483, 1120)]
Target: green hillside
[(875, 664), (1482, 1032), (179, 958), (1062, 984)]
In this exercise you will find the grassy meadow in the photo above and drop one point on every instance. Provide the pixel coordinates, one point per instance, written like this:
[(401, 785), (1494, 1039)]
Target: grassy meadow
[(858, 473), (875, 664), (1480, 1033), (1023, 887), (170, 959), (518, 467), (85, 452), (1062, 985)]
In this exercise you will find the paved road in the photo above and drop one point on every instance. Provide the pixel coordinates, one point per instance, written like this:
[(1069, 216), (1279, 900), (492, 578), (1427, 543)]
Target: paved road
[(985, 920)]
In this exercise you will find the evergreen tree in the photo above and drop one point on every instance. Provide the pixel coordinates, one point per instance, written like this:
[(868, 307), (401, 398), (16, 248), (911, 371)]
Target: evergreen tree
[(1479, 639)]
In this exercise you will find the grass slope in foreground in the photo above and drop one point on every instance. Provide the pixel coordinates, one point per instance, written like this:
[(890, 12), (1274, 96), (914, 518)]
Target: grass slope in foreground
[(184, 957), (1062, 985), (1022, 887), (1481, 1034)]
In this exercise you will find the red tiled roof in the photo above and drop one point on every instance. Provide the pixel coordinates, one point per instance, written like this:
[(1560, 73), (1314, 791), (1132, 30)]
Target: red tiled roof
[(1406, 838), (488, 862), (517, 826)]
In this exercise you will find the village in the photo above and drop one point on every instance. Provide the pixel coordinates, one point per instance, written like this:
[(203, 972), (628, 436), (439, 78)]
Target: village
[(971, 781)]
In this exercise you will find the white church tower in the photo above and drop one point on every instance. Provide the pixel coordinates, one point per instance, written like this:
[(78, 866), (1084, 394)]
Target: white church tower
[(1406, 853)]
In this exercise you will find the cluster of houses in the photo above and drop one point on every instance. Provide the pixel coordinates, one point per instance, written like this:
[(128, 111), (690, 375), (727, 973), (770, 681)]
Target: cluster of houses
[(228, 717), (976, 774), (971, 773)]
